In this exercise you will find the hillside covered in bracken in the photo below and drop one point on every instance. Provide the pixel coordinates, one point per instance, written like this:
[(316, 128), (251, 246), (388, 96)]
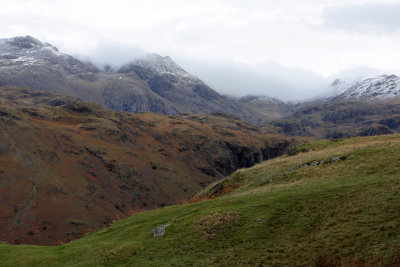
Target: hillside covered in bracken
[(68, 167)]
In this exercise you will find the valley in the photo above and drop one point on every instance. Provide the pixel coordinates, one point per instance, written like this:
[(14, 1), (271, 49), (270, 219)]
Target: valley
[(102, 165), (338, 213)]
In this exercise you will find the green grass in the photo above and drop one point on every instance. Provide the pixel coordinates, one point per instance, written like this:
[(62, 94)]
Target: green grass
[(348, 209)]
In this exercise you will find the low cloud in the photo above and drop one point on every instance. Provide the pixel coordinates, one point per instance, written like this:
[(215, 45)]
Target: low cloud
[(376, 17), (113, 54), (226, 77), (268, 79), (360, 73), (238, 79)]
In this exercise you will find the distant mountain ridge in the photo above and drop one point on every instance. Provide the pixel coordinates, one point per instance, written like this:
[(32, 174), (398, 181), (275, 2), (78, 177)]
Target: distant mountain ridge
[(151, 83), (157, 84), (382, 87), (351, 108)]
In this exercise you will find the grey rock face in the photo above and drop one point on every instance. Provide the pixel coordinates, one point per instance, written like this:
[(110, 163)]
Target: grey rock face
[(187, 93), (160, 230), (376, 129)]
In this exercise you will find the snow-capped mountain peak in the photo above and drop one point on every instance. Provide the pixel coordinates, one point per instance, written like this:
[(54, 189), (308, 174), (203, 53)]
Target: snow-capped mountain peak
[(377, 88), (158, 64), (29, 55), (26, 50), (25, 42), (25, 45)]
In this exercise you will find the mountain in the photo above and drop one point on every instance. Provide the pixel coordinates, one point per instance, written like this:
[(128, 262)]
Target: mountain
[(357, 108), (379, 88), (269, 108), (68, 167), (187, 92), (152, 83), (334, 204), (25, 61), (340, 119), (338, 87)]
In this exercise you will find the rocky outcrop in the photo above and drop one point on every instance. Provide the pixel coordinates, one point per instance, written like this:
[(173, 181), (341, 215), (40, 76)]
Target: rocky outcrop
[(315, 163), (376, 129), (237, 156), (392, 123)]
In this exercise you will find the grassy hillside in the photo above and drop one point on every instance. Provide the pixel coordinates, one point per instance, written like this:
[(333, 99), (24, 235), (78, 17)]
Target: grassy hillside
[(290, 211)]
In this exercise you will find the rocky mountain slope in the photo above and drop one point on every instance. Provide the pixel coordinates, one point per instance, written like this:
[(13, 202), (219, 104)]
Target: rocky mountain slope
[(68, 167), (340, 119), (359, 108), (267, 108), (152, 83)]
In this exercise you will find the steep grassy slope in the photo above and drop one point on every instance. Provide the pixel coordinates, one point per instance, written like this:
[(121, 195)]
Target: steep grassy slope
[(283, 212), (69, 167)]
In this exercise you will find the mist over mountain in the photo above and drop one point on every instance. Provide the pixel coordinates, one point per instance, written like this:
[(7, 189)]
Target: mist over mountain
[(150, 83), (225, 76), (235, 78), (266, 78)]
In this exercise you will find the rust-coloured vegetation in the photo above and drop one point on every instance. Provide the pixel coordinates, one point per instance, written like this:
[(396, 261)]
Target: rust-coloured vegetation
[(69, 167)]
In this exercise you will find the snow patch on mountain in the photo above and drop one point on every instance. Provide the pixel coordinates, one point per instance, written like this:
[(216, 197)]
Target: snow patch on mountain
[(338, 87)]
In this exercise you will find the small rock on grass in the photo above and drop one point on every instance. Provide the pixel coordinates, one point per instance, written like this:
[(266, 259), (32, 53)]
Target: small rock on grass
[(335, 159), (160, 230)]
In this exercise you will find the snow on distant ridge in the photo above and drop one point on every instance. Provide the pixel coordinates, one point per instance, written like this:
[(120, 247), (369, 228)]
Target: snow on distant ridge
[(25, 53), (159, 64), (162, 64), (26, 49), (380, 88)]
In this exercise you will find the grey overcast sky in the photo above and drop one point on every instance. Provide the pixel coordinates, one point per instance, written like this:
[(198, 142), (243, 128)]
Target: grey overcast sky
[(288, 49)]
